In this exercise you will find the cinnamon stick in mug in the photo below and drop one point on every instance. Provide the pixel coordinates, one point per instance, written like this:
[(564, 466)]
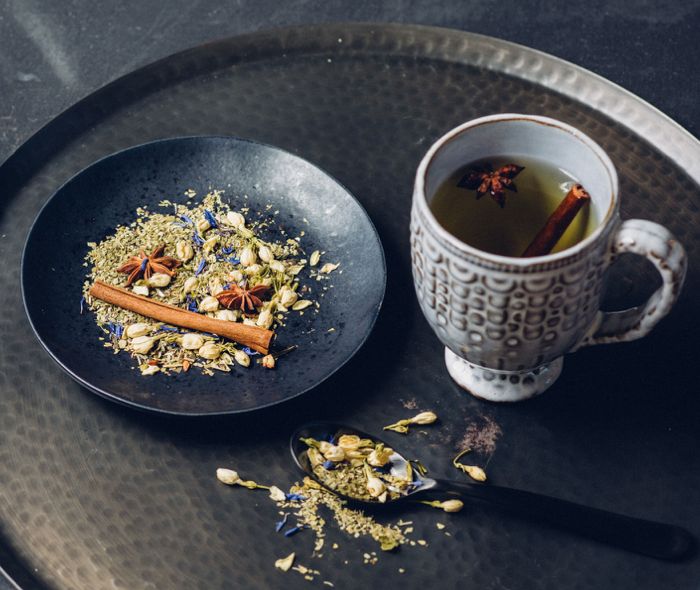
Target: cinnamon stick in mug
[(558, 222), (252, 336)]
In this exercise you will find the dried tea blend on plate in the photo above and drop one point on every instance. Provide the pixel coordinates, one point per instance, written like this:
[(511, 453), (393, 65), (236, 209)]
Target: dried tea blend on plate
[(208, 259)]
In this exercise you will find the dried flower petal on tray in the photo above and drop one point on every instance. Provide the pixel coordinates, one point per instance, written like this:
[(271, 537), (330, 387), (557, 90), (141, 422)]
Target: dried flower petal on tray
[(473, 471), (204, 258), (402, 426)]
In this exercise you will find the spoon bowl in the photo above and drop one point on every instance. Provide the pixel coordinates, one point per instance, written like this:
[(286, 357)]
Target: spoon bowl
[(655, 539), (331, 431)]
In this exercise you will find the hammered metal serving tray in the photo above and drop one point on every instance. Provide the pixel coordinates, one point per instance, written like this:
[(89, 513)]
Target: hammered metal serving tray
[(98, 496)]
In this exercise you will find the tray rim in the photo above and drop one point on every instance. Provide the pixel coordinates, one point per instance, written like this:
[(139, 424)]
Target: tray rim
[(612, 100), (506, 57)]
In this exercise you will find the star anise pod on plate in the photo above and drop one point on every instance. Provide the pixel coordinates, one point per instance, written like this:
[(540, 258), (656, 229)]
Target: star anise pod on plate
[(244, 299), (145, 265), (484, 179)]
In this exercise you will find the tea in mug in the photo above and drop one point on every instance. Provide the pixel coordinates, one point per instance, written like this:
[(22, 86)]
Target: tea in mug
[(505, 223)]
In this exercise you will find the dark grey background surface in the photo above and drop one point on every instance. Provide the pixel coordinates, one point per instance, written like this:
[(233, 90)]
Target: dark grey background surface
[(54, 53)]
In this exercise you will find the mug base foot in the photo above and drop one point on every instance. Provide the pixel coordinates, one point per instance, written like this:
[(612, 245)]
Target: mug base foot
[(501, 386)]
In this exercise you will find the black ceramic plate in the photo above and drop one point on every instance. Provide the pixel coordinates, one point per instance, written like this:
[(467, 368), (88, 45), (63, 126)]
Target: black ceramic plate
[(107, 193)]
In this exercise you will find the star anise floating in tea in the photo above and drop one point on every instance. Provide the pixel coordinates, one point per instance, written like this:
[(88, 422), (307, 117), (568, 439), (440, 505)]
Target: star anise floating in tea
[(247, 300), (485, 180), (146, 265)]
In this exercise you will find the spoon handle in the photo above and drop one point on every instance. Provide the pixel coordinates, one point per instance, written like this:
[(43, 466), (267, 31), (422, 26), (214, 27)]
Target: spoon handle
[(655, 539)]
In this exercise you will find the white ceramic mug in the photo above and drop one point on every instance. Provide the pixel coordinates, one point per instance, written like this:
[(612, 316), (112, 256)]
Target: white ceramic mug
[(506, 321)]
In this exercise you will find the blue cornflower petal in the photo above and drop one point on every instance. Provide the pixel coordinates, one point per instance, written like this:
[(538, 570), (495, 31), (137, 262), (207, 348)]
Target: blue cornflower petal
[(280, 525), (329, 465), (197, 239), (200, 268), (234, 260), (144, 262), (82, 305), (250, 352), (191, 304), (294, 531), (167, 329), (209, 216), (227, 249), (295, 497), (186, 219)]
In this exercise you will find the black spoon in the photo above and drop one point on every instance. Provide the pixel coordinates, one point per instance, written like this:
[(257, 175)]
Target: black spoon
[(662, 541)]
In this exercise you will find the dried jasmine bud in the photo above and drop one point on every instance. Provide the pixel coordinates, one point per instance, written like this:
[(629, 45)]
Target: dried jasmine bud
[(215, 286), (248, 257), (150, 370), (446, 505), (379, 456), (314, 258), (135, 330), (253, 270), (349, 442), (265, 254), (241, 358), (288, 296), (227, 476), (334, 453), (209, 303), (452, 505), (184, 251), (210, 351), (375, 487), (190, 285), (402, 425), (295, 269), (473, 471), (158, 280), (424, 418), (143, 344), (231, 477), (235, 219), (140, 290), (277, 266), (235, 276), (226, 314), (277, 495), (265, 319), (192, 341)]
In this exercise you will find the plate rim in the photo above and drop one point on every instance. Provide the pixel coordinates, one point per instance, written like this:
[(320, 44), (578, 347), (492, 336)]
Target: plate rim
[(143, 407)]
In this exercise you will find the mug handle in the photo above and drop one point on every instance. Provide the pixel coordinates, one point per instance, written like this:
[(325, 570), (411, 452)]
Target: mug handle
[(656, 244)]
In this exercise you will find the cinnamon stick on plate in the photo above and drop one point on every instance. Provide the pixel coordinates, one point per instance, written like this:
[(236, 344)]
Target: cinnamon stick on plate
[(251, 336), (558, 222)]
